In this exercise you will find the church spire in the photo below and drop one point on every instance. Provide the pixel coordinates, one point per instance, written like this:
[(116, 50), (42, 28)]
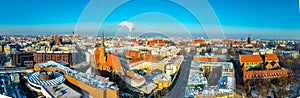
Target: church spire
[(102, 38)]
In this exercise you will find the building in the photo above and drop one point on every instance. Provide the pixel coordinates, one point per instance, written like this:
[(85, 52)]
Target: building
[(264, 51), (73, 37), (132, 54), (88, 57), (271, 61), (114, 62), (151, 58), (206, 58), (250, 61), (1, 48), (266, 74), (58, 40), (96, 86), (100, 57), (228, 41), (197, 42), (106, 63), (7, 49), (57, 56), (249, 39), (174, 65), (222, 84), (162, 80), (256, 61), (24, 59), (293, 54), (261, 67), (135, 80), (157, 43), (138, 83)]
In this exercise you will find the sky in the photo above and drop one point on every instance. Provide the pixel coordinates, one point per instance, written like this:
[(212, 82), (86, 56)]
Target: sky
[(236, 18)]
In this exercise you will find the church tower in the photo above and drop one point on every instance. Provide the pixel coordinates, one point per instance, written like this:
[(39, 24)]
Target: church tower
[(100, 56)]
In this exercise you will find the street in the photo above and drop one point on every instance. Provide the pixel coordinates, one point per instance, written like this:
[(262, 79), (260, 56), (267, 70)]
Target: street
[(178, 91)]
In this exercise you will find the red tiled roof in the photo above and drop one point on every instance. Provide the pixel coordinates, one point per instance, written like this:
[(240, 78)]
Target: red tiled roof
[(132, 76), (152, 58), (135, 60), (153, 42), (250, 58), (97, 55), (266, 74), (228, 41), (132, 54), (271, 57), (114, 62), (198, 41)]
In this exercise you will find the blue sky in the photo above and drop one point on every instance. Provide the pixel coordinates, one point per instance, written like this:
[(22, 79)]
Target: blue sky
[(279, 18)]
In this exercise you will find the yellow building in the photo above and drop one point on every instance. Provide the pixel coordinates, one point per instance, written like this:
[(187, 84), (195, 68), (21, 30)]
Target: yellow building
[(149, 66), (45, 43)]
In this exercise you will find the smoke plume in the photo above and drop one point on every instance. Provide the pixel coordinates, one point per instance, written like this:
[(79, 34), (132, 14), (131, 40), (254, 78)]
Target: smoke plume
[(127, 24)]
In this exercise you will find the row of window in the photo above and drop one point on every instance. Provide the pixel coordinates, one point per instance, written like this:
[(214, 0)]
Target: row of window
[(270, 75)]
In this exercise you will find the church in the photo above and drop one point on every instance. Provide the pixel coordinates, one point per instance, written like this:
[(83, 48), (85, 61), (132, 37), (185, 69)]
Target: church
[(106, 64)]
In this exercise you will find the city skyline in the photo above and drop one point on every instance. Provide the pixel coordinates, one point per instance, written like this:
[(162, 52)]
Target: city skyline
[(150, 48), (272, 18)]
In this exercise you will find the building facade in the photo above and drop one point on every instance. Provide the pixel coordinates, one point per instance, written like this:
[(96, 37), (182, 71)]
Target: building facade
[(261, 67), (42, 57), (22, 59)]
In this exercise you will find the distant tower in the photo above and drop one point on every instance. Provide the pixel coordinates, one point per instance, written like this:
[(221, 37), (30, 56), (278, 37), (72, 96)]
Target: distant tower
[(73, 37), (249, 39)]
